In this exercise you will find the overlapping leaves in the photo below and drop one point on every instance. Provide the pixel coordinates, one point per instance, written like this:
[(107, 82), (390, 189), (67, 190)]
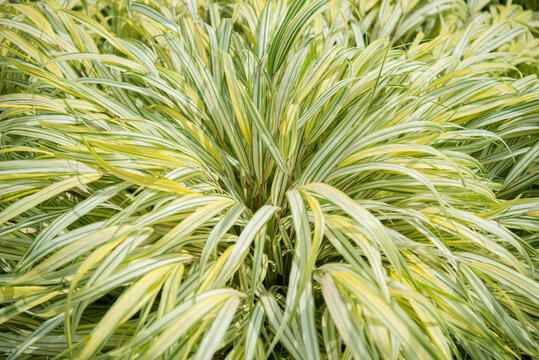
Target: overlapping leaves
[(310, 180)]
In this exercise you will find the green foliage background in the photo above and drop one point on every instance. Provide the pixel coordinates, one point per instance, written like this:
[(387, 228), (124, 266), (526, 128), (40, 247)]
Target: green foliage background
[(269, 179)]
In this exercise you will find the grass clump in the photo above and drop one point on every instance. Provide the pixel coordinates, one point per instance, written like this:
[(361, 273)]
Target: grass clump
[(268, 179)]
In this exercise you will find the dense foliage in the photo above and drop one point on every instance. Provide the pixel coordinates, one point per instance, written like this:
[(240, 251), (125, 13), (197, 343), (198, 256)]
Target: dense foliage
[(269, 179)]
